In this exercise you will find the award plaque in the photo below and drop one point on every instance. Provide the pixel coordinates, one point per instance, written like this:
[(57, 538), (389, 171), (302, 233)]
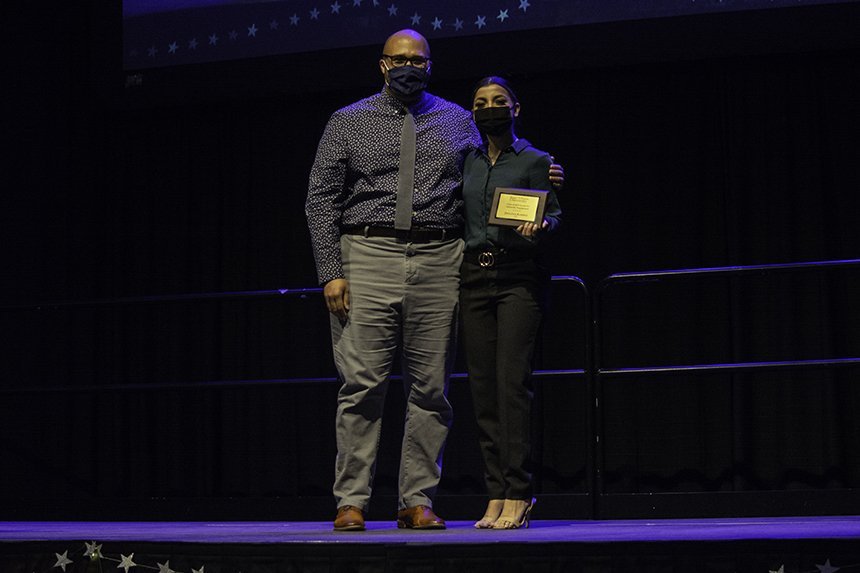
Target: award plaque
[(512, 207)]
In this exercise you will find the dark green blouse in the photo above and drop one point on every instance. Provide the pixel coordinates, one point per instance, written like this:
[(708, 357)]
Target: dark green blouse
[(520, 165)]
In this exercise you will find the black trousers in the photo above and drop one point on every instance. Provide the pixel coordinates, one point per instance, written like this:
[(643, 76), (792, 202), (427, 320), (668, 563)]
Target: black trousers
[(501, 309)]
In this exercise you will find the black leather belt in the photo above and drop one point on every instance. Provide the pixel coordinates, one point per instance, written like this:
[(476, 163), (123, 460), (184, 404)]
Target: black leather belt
[(413, 235), (495, 257)]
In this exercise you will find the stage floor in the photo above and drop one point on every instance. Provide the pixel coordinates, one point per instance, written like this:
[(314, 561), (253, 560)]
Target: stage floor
[(458, 532), (821, 544)]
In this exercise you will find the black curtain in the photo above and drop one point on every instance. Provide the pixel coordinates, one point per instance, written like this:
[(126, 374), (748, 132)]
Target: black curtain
[(671, 164)]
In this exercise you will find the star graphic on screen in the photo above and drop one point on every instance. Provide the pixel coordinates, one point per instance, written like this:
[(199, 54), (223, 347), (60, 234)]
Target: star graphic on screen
[(213, 39), (335, 8), (171, 47), (780, 570), (93, 550), (152, 51), (165, 568), (233, 34), (126, 562), (416, 19), (63, 560), (315, 14), (392, 10), (827, 567), (481, 22), (437, 23), (458, 24), (294, 20), (193, 570), (503, 15), (356, 3), (192, 44), (524, 5), (376, 2), (273, 25), (252, 30)]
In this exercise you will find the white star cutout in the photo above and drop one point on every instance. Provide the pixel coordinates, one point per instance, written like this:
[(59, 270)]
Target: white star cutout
[(780, 570), (458, 24), (503, 15), (335, 8), (416, 19), (152, 51), (213, 39), (481, 22), (252, 31), (165, 568), (233, 34), (437, 23), (376, 2), (127, 562), (294, 20), (827, 567), (392, 10), (356, 3), (93, 550), (273, 25), (171, 47), (62, 560), (192, 44), (315, 14), (193, 570), (524, 5)]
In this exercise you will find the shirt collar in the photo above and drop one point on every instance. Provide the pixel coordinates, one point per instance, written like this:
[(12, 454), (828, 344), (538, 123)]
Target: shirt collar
[(421, 106), (516, 146)]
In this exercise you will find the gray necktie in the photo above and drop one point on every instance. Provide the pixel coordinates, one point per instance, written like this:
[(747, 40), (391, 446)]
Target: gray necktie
[(406, 175)]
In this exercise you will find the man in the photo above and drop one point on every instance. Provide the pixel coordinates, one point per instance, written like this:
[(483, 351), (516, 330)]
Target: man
[(390, 265)]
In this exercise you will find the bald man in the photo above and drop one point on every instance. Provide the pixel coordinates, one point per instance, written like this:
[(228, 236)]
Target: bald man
[(391, 276)]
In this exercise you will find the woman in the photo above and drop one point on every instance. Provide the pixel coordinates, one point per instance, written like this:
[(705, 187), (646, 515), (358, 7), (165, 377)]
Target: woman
[(502, 293)]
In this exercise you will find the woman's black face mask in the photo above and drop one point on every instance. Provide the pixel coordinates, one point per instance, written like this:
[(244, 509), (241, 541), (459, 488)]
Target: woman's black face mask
[(493, 120)]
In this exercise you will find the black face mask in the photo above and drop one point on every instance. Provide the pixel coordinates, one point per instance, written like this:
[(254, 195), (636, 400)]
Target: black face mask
[(493, 120), (406, 82)]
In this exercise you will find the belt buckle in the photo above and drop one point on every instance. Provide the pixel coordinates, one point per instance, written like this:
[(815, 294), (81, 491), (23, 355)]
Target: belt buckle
[(486, 259)]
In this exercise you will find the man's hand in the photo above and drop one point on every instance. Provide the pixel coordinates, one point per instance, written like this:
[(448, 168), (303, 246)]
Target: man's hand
[(556, 175), (336, 293)]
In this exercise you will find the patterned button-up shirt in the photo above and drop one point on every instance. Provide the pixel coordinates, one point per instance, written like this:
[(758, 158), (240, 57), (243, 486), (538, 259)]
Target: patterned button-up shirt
[(353, 181)]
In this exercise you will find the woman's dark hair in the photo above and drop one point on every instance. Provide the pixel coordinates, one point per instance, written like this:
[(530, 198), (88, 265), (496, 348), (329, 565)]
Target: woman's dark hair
[(494, 80)]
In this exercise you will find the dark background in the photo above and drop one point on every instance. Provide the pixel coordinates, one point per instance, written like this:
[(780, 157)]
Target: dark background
[(707, 141)]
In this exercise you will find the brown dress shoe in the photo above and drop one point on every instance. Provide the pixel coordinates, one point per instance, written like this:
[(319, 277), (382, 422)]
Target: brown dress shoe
[(419, 517), (349, 518)]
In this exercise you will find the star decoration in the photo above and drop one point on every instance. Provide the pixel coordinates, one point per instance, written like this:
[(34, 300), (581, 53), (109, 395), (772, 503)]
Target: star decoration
[(315, 14), (458, 24), (233, 34), (192, 44), (524, 5), (780, 570), (335, 8), (481, 22), (503, 15), (437, 23), (252, 30), (213, 39), (294, 20), (171, 48), (416, 19), (827, 567), (273, 25), (356, 3), (93, 550), (392, 10), (152, 51), (165, 568), (62, 560), (375, 3), (193, 570), (127, 562)]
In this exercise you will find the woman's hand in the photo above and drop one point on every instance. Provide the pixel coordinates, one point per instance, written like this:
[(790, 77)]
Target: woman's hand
[(531, 229)]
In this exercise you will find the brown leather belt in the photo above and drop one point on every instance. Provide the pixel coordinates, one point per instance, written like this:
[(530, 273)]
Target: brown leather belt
[(495, 257), (413, 235)]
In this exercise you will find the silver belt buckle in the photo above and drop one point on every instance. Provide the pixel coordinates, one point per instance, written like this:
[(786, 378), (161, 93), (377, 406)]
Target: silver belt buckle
[(486, 259)]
